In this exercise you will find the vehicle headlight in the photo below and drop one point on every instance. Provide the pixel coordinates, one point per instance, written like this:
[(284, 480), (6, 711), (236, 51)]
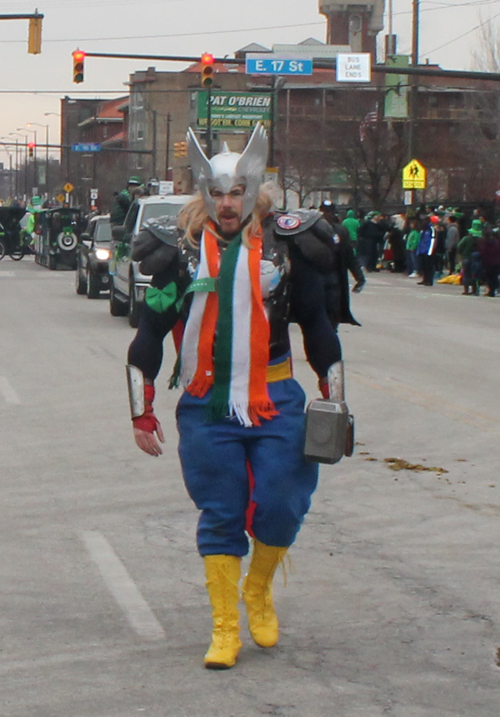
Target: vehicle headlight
[(102, 254)]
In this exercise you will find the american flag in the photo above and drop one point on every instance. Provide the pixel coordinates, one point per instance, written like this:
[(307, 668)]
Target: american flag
[(369, 119)]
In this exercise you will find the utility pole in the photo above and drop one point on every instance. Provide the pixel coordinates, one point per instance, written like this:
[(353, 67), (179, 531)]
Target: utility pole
[(412, 126), (154, 143), (167, 159), (414, 82)]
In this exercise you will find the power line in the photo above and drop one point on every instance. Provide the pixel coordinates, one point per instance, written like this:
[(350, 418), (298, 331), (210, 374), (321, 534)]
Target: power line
[(473, 29), (446, 6), (176, 34)]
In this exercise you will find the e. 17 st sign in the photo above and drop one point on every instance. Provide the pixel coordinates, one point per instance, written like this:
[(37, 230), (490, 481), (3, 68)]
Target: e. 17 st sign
[(270, 64)]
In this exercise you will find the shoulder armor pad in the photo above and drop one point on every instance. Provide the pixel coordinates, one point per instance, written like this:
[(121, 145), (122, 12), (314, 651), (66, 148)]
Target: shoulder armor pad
[(295, 222), (164, 228)]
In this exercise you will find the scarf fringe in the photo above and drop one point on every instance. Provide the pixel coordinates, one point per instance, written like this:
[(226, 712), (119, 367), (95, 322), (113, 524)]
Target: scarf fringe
[(265, 410), (247, 415), (199, 386)]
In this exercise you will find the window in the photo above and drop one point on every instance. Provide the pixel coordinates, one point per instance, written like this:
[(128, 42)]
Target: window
[(138, 102)]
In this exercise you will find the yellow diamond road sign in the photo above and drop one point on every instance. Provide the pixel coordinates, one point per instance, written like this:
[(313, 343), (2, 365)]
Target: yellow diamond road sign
[(414, 175), (60, 198), (68, 187)]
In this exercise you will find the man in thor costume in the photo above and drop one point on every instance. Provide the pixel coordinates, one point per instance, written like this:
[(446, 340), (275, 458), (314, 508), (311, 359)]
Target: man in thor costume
[(232, 278)]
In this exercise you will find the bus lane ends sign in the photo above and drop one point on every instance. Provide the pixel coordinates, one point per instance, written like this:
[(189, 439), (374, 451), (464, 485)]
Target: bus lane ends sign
[(354, 67)]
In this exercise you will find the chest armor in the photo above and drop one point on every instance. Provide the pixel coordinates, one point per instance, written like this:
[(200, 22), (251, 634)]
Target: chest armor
[(274, 281)]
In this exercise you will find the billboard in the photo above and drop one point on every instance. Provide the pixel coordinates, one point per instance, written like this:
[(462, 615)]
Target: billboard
[(234, 110), (396, 86)]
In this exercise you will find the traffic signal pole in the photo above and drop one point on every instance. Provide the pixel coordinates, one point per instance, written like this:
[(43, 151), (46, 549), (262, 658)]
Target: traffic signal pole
[(209, 122), (317, 64), (35, 30)]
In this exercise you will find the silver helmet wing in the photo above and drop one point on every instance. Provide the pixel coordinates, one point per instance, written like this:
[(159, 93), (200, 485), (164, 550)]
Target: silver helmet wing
[(230, 169)]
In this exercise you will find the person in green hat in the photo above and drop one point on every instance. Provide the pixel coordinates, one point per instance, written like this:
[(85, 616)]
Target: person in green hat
[(468, 250), (34, 207), (122, 201)]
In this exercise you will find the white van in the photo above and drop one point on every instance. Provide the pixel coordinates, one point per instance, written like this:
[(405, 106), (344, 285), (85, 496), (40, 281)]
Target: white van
[(127, 284)]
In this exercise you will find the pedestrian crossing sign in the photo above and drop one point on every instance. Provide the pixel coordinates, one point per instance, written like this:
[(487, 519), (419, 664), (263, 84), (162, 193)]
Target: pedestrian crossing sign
[(414, 175)]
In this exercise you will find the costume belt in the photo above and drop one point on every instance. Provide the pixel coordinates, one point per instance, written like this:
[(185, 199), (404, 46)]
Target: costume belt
[(279, 371)]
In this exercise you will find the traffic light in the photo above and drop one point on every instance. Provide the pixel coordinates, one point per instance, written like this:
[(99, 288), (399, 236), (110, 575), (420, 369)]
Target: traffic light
[(35, 34), (207, 70), (78, 61), (31, 149), (180, 149)]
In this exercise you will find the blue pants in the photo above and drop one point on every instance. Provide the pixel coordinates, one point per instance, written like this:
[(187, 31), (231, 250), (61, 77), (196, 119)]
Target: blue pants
[(215, 458)]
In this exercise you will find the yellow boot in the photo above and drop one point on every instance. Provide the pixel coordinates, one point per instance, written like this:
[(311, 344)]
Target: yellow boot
[(223, 575), (258, 593)]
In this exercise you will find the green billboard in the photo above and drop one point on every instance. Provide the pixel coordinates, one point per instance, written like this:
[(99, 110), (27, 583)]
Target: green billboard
[(234, 110), (396, 89)]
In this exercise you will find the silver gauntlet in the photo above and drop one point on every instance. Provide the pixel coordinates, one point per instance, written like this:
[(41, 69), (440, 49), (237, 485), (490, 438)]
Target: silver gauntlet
[(135, 382), (336, 385)]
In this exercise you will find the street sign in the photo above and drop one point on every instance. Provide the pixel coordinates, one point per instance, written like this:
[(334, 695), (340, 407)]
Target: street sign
[(68, 187), (94, 193), (414, 175), (165, 186), (271, 175), (60, 198), (262, 63), (86, 147), (354, 67)]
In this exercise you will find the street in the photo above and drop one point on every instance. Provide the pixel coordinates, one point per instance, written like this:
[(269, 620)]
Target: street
[(392, 601)]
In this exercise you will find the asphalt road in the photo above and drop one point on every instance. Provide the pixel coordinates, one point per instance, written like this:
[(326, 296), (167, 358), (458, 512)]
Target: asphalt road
[(392, 606)]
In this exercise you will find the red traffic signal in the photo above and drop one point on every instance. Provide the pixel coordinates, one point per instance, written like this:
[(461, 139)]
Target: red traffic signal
[(31, 147), (207, 71), (78, 65)]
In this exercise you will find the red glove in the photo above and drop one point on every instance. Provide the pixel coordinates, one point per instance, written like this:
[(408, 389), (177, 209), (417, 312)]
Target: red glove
[(324, 387), (148, 421)]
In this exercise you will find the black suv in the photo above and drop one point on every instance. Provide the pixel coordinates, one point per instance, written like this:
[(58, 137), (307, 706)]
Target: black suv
[(92, 258)]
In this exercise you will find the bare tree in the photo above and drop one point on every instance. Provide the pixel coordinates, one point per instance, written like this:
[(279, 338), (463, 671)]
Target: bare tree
[(486, 56), (304, 165), (372, 154)]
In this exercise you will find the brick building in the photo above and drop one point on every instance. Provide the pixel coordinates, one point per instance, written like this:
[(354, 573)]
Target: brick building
[(101, 122)]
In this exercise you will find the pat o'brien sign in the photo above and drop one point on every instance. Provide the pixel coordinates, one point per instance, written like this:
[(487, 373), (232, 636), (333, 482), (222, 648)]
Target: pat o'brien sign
[(234, 110)]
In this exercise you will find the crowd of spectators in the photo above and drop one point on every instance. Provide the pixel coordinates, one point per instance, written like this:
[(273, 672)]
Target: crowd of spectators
[(430, 244)]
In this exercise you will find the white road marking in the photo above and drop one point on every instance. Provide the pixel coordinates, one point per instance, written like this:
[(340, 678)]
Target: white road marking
[(10, 396), (7, 273), (122, 587)]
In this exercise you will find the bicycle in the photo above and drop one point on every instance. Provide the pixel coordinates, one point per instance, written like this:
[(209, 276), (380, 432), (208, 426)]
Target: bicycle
[(15, 246), (13, 239)]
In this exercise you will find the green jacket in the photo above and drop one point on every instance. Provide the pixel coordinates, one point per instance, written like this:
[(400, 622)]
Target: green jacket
[(467, 246), (413, 240), (352, 225)]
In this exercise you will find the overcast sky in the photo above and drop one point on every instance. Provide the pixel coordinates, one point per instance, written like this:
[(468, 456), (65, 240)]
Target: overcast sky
[(184, 27)]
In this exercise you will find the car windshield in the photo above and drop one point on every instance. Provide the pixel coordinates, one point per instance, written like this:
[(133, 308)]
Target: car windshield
[(103, 232), (153, 211)]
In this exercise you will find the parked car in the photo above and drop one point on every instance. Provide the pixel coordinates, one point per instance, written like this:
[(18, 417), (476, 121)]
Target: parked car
[(127, 284), (92, 257), (57, 231)]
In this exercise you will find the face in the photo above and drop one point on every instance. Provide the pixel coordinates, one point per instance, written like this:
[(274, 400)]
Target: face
[(229, 208)]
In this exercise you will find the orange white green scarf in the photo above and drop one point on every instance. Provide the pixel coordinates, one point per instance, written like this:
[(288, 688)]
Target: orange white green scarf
[(235, 364)]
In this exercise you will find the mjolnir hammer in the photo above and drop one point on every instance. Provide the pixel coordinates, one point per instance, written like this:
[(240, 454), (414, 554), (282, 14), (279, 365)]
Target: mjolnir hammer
[(329, 425)]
